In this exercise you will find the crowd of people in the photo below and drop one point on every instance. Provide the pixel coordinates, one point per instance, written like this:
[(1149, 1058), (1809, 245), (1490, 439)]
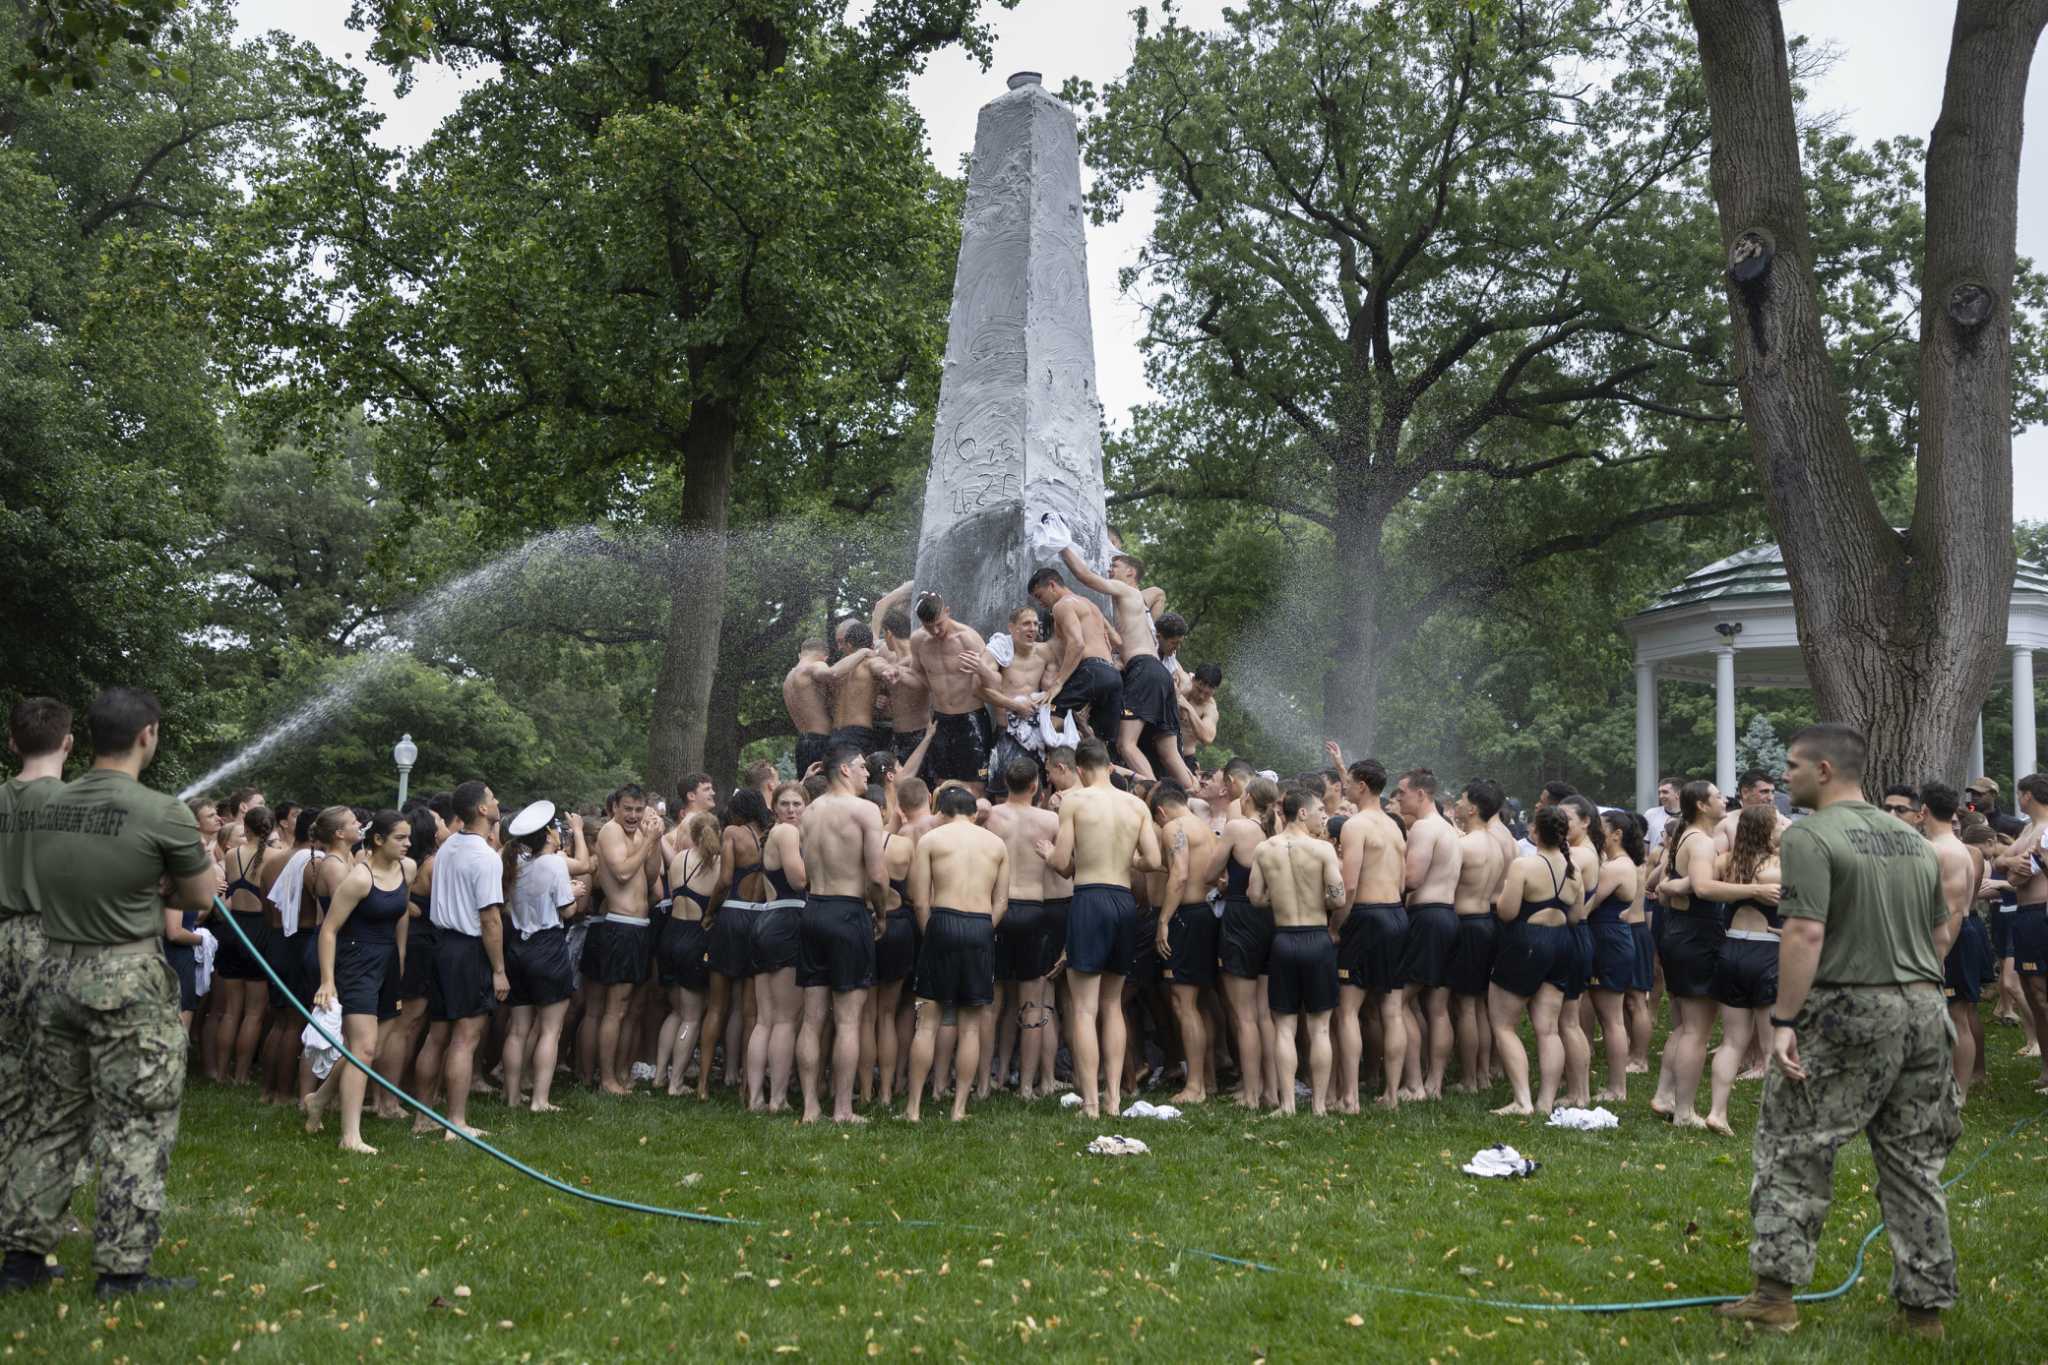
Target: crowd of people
[(997, 864)]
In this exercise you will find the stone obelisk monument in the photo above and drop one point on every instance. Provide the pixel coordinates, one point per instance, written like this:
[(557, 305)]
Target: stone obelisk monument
[(1020, 425)]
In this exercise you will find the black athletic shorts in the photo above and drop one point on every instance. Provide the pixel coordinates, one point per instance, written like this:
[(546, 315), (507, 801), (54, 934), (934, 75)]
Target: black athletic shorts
[(732, 940), (461, 984), (1746, 974), (1574, 965), (1646, 957), (1025, 948), (1472, 957), (1432, 940), (1963, 971), (2029, 940), (811, 749), (1102, 930), (956, 963), (906, 742), (1371, 945), (870, 738), (1149, 698), (682, 954), (1191, 943), (231, 960), (1244, 939), (1614, 956), (1301, 974), (281, 955), (1005, 752), (2001, 934), (835, 944), (778, 935), (1145, 963), (366, 977), (959, 751), (896, 949), (416, 980), (1059, 908), (1689, 947), (538, 968), (1527, 955), (618, 954), (184, 960), (1096, 685)]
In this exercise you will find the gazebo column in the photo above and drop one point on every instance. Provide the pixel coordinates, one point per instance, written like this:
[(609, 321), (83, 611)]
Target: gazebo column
[(1977, 750), (1724, 718), (2024, 755), (1646, 735)]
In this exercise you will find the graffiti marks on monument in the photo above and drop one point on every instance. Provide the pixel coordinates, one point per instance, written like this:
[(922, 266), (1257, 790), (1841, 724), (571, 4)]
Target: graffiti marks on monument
[(989, 489)]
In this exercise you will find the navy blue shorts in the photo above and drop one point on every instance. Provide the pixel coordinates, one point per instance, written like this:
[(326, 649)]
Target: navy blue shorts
[(1244, 939), (1646, 957), (366, 977), (1528, 955), (956, 963), (896, 949), (1614, 957), (2030, 940), (1102, 930), (1371, 947), (1432, 940), (835, 944), (1963, 971), (538, 968), (1472, 958), (1690, 946), (1191, 939), (1301, 973)]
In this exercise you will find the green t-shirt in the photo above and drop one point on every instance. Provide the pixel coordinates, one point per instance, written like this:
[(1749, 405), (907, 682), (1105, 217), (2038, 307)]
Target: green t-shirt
[(1875, 884), (99, 849), (19, 802)]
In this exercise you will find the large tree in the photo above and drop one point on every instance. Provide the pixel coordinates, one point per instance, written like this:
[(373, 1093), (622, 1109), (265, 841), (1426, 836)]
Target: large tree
[(643, 252), (1902, 631), (1420, 249)]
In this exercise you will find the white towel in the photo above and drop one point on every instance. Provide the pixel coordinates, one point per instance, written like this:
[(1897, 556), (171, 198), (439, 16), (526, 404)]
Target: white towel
[(1071, 1100), (1585, 1120), (321, 1054), (289, 887), (1049, 534), (1117, 1145), (1145, 1109), (202, 957), (1058, 736), (1002, 649), (1500, 1162)]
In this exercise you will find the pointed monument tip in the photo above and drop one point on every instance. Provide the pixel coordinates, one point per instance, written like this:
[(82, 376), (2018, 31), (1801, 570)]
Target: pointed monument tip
[(1024, 78)]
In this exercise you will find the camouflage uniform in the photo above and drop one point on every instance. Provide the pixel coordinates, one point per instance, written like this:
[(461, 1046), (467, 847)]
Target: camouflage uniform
[(112, 1057), (1878, 1061), (21, 959)]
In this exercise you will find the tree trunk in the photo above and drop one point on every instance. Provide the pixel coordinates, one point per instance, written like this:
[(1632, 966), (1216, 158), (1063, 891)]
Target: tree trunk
[(1900, 633), (1351, 689), (722, 720), (689, 659)]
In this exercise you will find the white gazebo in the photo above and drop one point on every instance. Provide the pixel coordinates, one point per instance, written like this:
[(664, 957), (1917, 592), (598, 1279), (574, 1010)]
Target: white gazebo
[(1732, 624)]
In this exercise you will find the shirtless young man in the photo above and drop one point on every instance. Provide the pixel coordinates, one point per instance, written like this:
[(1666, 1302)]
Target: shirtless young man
[(1149, 725), (1434, 859), (1015, 697), (807, 695), (619, 950), (951, 661), (1029, 941), (1297, 875), (959, 882), (1126, 568), (1969, 950), (858, 678), (2022, 868), (1755, 788), (1198, 710), (1482, 866), (1100, 830), (1082, 677), (1187, 931), (845, 873), (910, 702), (1372, 938)]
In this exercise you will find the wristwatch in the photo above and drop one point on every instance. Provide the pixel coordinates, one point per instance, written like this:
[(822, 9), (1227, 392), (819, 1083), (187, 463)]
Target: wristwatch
[(1776, 1022)]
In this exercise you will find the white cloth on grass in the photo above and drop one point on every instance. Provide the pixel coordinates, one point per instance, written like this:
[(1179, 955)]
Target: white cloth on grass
[(321, 1054), (1145, 1109), (1071, 1100), (1500, 1162), (1585, 1120), (1118, 1145)]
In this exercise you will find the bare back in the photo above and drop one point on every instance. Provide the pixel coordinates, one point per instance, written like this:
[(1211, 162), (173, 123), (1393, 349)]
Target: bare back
[(804, 695), (1075, 618), (1299, 879), (1374, 857), (1432, 860), (960, 866), (1107, 826), (841, 839), (1020, 827), (1479, 871)]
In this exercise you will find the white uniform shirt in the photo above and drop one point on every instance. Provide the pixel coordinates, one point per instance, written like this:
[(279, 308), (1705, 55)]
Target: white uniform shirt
[(467, 878), (540, 894), (1656, 818)]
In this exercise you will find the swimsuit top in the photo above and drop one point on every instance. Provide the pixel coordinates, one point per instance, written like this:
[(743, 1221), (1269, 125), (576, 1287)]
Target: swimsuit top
[(376, 916), (1609, 910), (1769, 912), (242, 883), (701, 899), (778, 883), (1237, 883), (425, 903), (1556, 899), (1700, 904)]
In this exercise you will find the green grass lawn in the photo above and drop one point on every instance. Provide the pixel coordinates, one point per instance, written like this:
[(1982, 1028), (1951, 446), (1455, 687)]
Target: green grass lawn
[(432, 1251)]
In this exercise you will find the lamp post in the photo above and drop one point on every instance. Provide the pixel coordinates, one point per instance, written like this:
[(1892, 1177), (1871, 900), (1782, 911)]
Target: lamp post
[(404, 753)]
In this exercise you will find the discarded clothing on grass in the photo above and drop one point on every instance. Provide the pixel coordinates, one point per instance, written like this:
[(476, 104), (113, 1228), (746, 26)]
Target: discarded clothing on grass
[(1071, 1100), (1145, 1109), (1585, 1120), (1118, 1145), (1500, 1162)]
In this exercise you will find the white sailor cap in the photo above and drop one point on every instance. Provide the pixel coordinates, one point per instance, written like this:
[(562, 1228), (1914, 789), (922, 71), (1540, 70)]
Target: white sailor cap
[(534, 817)]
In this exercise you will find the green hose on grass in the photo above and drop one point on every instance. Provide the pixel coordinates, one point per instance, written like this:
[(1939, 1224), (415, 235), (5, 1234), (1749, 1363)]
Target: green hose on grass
[(716, 1220)]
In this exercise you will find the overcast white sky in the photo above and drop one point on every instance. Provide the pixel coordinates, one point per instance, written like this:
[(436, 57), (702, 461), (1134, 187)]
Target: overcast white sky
[(1888, 81)]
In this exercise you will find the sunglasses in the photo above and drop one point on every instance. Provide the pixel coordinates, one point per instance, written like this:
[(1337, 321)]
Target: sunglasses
[(1899, 810)]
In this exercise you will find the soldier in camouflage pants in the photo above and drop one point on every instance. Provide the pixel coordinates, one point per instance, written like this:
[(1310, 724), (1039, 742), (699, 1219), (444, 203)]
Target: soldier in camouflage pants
[(1878, 1061), (21, 961), (112, 1055)]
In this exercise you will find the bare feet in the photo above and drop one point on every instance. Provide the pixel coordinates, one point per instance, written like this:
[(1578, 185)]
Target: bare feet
[(462, 1130), (1189, 1097), (614, 1088), (1687, 1120), (311, 1106), (1636, 1068), (1410, 1092), (1616, 1096), (849, 1118), (811, 1114), (358, 1145), (1516, 1110), (1716, 1124), (1755, 1073), (1661, 1107), (2030, 1050), (424, 1127), (1392, 1102), (546, 1108)]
